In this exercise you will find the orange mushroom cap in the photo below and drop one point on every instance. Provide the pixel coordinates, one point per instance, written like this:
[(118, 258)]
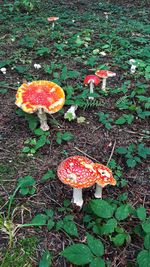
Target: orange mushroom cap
[(52, 18), (40, 94), (77, 171), (104, 175), (105, 73)]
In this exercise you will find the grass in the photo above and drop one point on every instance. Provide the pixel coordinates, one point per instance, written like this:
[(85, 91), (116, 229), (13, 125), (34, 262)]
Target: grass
[(114, 231)]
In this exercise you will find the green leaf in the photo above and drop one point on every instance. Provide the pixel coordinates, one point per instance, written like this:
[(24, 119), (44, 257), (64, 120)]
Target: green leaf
[(39, 220), (48, 175), (141, 213), (97, 262), (70, 228), (41, 142), (50, 224), (95, 245), (119, 239), (147, 241), (146, 227), (121, 120), (21, 69), (78, 254), (67, 136), (24, 191), (73, 74), (3, 91), (26, 181), (131, 162), (122, 212), (108, 227), (26, 149), (46, 259), (121, 150), (39, 132), (101, 208), (143, 258)]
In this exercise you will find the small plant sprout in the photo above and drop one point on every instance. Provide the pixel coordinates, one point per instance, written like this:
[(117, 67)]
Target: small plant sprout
[(80, 172), (104, 74), (70, 114), (133, 64), (91, 80), (41, 97), (53, 19)]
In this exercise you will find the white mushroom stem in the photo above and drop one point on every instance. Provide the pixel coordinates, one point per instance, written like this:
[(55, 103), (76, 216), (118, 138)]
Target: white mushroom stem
[(43, 120), (53, 25), (133, 69), (91, 90), (104, 84), (77, 197), (71, 110), (98, 191)]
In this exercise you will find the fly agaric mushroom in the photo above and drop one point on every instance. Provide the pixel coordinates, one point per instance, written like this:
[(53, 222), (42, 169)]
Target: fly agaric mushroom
[(104, 177), (91, 80), (104, 74), (80, 172), (41, 97), (53, 19)]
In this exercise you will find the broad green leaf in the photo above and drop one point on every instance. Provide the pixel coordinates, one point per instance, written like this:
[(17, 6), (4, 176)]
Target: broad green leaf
[(119, 239), (97, 262), (108, 227), (46, 259), (70, 228), (50, 224), (3, 91), (39, 219), (101, 208), (146, 226), (67, 136), (39, 132), (24, 191), (141, 213), (26, 149), (122, 212), (131, 162), (120, 120), (121, 150), (26, 181), (95, 245), (143, 258), (78, 254), (41, 142)]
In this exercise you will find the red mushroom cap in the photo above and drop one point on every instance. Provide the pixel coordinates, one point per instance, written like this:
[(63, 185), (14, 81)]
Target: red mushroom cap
[(105, 73), (104, 175), (40, 94), (52, 18), (91, 78), (77, 171)]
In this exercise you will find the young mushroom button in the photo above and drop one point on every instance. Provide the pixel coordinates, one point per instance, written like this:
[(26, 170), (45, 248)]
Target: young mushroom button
[(78, 172), (104, 177), (104, 74), (91, 80), (41, 97), (53, 19)]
